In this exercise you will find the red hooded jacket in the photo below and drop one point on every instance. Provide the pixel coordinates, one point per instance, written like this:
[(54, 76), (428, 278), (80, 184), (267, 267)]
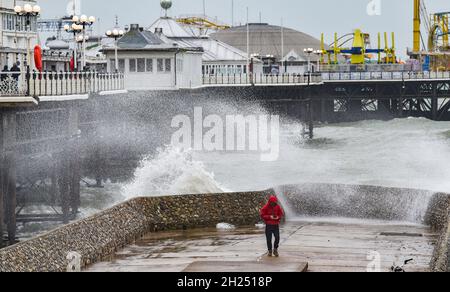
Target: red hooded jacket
[(268, 211)]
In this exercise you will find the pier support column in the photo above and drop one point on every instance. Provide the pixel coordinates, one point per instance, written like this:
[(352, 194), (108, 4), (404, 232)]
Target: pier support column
[(74, 163), (2, 186), (75, 199), (327, 110), (434, 108), (419, 107), (98, 164), (384, 108), (64, 186), (8, 165), (323, 111), (11, 196), (310, 119), (54, 182), (355, 109), (400, 108), (2, 189)]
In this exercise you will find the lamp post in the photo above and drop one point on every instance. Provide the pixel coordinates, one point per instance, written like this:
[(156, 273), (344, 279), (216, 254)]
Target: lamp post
[(115, 34), (84, 21), (308, 52), (75, 29), (319, 54), (82, 38), (28, 12)]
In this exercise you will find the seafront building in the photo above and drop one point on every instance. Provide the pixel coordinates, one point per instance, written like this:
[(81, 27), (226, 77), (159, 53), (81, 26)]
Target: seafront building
[(15, 35), (281, 49), (171, 54), (149, 61), (218, 58)]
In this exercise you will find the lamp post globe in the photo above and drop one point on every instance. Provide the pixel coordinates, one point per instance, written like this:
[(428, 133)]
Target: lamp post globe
[(83, 18), (18, 9), (37, 9), (28, 8)]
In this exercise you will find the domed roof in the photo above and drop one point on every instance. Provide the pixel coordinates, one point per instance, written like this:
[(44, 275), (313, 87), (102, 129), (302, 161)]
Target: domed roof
[(57, 45), (265, 40), (170, 28)]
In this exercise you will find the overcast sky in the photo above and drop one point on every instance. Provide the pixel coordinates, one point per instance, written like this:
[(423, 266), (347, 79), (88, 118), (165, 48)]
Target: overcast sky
[(312, 17)]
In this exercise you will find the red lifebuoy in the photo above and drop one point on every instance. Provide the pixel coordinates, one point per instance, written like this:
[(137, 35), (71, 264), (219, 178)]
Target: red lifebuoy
[(72, 64), (38, 58)]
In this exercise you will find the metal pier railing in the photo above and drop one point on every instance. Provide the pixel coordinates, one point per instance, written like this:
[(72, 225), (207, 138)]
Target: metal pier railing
[(395, 76), (58, 83), (260, 79)]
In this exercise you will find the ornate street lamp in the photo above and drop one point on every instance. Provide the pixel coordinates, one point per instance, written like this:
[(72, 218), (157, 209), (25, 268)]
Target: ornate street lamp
[(84, 21), (116, 34), (309, 51), (28, 12), (75, 29), (319, 54)]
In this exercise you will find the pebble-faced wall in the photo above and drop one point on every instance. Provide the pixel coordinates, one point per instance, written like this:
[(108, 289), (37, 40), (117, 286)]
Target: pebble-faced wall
[(99, 236)]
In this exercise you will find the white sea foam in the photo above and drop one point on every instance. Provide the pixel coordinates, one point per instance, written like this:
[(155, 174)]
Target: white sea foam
[(171, 172)]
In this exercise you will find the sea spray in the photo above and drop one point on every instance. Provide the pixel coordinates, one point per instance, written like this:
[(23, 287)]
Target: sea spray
[(171, 172), (285, 203)]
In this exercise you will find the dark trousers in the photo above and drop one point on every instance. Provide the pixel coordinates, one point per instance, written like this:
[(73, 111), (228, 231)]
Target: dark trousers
[(275, 231)]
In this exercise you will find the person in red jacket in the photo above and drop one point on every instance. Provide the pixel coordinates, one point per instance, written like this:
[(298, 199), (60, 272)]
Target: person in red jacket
[(272, 213)]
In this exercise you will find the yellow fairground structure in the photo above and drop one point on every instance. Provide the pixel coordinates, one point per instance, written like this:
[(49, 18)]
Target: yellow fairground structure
[(435, 54), (417, 23), (202, 23), (360, 52)]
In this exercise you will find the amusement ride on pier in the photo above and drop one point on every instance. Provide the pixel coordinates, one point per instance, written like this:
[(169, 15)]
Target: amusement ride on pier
[(431, 50)]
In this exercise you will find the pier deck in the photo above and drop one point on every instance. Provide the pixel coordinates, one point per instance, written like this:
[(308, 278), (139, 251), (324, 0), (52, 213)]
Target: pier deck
[(324, 246)]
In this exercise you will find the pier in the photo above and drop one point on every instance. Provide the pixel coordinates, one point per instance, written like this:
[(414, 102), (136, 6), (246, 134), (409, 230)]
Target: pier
[(42, 115), (40, 144), (42, 119), (347, 96)]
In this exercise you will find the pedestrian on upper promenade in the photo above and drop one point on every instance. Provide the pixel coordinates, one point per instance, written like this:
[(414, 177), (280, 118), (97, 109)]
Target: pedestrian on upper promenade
[(5, 72), (16, 71), (272, 214)]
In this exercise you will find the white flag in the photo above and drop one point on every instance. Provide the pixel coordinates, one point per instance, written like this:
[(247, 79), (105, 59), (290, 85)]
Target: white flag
[(74, 7)]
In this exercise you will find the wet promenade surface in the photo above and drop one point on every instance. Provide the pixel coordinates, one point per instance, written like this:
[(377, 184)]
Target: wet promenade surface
[(351, 246)]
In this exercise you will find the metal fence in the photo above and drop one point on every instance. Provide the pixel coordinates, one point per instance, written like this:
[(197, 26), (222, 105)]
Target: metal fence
[(70, 83), (260, 79), (13, 84), (58, 83), (358, 76), (336, 68)]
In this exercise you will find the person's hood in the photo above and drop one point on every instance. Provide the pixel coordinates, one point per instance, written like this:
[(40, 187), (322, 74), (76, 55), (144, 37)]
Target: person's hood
[(273, 199)]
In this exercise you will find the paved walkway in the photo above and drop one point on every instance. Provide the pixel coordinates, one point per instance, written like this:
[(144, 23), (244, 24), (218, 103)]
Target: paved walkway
[(324, 246)]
